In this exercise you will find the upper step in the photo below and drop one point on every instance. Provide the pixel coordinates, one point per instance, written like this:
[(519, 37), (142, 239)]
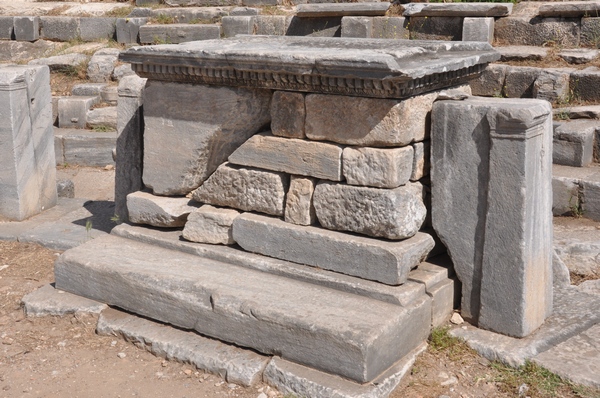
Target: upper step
[(353, 336)]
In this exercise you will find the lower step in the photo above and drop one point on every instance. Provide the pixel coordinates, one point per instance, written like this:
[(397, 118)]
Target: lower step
[(337, 332)]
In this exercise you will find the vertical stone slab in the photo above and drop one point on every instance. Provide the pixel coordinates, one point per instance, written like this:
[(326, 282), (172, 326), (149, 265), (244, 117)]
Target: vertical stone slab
[(478, 29), (130, 142), (492, 207)]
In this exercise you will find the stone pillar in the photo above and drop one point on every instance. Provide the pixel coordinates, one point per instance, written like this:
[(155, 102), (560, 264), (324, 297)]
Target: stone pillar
[(27, 163), (492, 207)]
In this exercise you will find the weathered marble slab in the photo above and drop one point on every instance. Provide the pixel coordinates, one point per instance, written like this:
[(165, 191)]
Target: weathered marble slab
[(571, 9), (457, 9), (341, 9)]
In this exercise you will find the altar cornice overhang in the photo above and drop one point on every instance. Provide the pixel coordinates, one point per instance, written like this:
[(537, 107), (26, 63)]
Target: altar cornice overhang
[(379, 68)]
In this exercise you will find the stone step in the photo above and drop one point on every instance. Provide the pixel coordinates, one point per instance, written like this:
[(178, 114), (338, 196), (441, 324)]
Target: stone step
[(341, 9), (84, 147), (576, 190), (337, 332), (102, 118), (574, 142), (178, 33), (536, 53), (577, 112)]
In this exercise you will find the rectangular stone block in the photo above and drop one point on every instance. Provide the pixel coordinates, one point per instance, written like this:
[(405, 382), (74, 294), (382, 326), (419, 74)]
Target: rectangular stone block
[(388, 213), (573, 143), (88, 148), (315, 27), (128, 29), (245, 189), (590, 191), (97, 28), (335, 251), (492, 207), (518, 30), (288, 114), (457, 9), (274, 25), (199, 139), (565, 196), (435, 28), (299, 208), (420, 166), (390, 123), (478, 29), (158, 211), (519, 81), (209, 224), (376, 167), (359, 27), (342, 9), (389, 28), (584, 84), (59, 28), (26, 28), (491, 82), (589, 32), (7, 30), (290, 155), (177, 33), (553, 85), (72, 111), (442, 302), (88, 89), (237, 25)]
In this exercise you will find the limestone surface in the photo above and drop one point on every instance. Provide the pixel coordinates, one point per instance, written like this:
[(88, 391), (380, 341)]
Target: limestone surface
[(342, 9), (102, 64), (377, 167), (457, 9), (573, 143), (335, 251), (50, 301), (245, 189), (290, 155), (288, 114), (158, 211), (420, 166), (388, 213), (209, 224), (299, 208)]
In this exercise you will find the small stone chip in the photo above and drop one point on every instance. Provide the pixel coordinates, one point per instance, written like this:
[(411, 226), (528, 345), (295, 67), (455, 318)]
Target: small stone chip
[(121, 355)]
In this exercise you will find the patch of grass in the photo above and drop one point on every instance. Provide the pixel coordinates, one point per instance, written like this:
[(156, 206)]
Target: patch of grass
[(120, 12), (78, 71), (102, 129), (440, 341)]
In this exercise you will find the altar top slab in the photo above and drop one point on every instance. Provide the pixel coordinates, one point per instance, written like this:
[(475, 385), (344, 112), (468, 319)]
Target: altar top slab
[(362, 67)]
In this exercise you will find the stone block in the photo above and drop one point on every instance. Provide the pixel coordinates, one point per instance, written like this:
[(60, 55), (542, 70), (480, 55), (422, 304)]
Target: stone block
[(519, 81), (59, 28), (491, 82), (491, 207), (102, 64), (457, 9), (59, 151), (65, 189), (48, 301), (359, 27), (435, 28), (388, 213), (128, 29), (577, 112), (579, 55), (525, 31), (288, 114), (209, 224), (569, 9), (522, 53), (88, 89), (271, 25), (378, 167), (574, 143), (316, 27), (237, 25), (130, 140), (584, 84), (105, 117), (420, 166), (7, 29), (299, 208), (590, 32), (553, 85), (177, 33), (389, 28), (342, 9), (290, 155), (158, 211), (390, 123), (26, 28), (63, 62), (245, 189), (565, 196), (334, 251), (442, 302), (97, 28), (72, 111), (243, 11), (478, 29), (110, 94), (87, 148), (199, 139), (590, 205)]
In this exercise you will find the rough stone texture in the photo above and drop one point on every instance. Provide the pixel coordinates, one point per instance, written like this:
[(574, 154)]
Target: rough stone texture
[(209, 224), (102, 64), (97, 28), (578, 112), (158, 211), (519, 81), (110, 94), (491, 205), (522, 53), (590, 28), (50, 301), (177, 33), (588, 179), (420, 166), (26, 28), (197, 139), (561, 278), (442, 302), (59, 28), (27, 164), (244, 11), (579, 249), (435, 28), (121, 71), (12, 51), (341, 9), (569, 9), (288, 114), (88, 89), (61, 62), (574, 142), (84, 147), (565, 196), (457, 9), (128, 29), (478, 29), (335, 251), (72, 111), (380, 168), (491, 82), (129, 147), (271, 24), (102, 117), (7, 30), (315, 27), (389, 213), (237, 25), (584, 84), (389, 28), (65, 188), (236, 365), (245, 189), (553, 85), (590, 286), (290, 155), (291, 378), (359, 27), (355, 337), (299, 208), (525, 31), (390, 123), (579, 55)]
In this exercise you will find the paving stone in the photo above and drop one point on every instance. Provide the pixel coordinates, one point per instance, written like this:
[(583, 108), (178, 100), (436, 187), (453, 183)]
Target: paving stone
[(315, 26), (565, 196), (420, 166), (59, 28), (388, 213), (288, 114), (290, 155), (579, 55), (584, 83), (525, 31), (237, 25), (158, 211), (522, 53), (177, 33), (358, 27), (435, 28), (128, 29), (72, 111), (291, 378), (391, 123), (97, 28), (332, 250), (519, 81), (377, 167), (235, 365), (478, 29), (65, 189), (569, 9), (209, 224), (7, 29), (553, 85), (50, 301), (518, 135), (389, 28), (574, 142), (299, 208), (102, 64), (355, 337), (402, 295), (457, 9), (26, 28), (341, 9), (102, 117), (88, 89), (85, 147), (245, 189), (491, 82)]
